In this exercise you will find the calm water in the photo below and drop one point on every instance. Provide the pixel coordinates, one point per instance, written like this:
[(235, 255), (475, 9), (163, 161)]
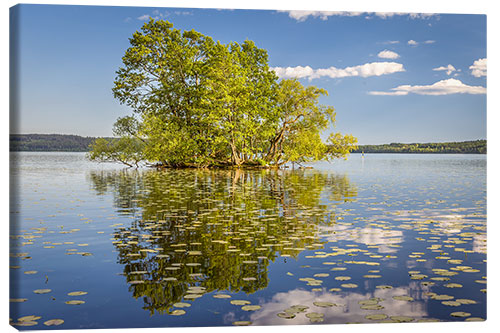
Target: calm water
[(391, 238)]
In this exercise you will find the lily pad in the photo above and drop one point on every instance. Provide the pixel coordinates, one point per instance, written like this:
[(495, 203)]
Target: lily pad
[(221, 296), (342, 278), (42, 291), (239, 302), (403, 298), (18, 300), (29, 318), (460, 314), (349, 285), (53, 322), (242, 323), (77, 293), (75, 302), (177, 312), (324, 304), (465, 301), (379, 316), (286, 315), (182, 305), (402, 319), (311, 315), (250, 307)]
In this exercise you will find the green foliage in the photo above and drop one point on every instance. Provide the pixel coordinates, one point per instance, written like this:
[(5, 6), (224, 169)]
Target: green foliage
[(125, 150), (200, 103)]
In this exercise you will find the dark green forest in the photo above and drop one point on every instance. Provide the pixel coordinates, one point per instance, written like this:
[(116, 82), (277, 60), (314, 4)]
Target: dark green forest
[(49, 142), (464, 147), (75, 143)]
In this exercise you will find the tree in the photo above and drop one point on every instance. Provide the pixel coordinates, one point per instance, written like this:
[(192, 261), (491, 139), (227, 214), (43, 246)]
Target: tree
[(127, 149), (202, 103)]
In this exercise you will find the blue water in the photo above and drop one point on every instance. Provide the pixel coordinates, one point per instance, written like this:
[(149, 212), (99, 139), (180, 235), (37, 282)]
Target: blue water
[(139, 242)]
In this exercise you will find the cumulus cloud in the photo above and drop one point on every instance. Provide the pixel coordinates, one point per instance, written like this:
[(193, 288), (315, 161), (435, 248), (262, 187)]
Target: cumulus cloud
[(449, 69), (443, 87), (369, 69), (386, 54), (302, 15), (412, 42), (157, 15), (478, 68)]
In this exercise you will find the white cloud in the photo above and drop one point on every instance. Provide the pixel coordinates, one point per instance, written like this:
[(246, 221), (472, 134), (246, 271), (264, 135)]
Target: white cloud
[(412, 42), (144, 17), (369, 69), (443, 87), (386, 54), (478, 68), (429, 42), (449, 69), (302, 15), (157, 15)]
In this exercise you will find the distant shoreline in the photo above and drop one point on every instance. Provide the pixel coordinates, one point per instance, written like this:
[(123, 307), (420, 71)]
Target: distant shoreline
[(76, 143)]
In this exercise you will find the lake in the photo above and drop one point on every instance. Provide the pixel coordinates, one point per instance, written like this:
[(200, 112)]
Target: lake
[(379, 238)]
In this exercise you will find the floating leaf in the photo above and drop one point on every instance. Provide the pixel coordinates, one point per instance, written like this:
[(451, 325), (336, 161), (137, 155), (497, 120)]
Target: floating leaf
[(324, 304), (177, 312), (453, 285), (465, 301), (75, 302), (349, 285), (77, 293), (250, 307), (239, 302), (402, 319), (379, 316), (460, 314), (242, 323), (29, 318), (342, 278), (403, 298), (53, 322), (42, 291), (182, 305), (286, 315)]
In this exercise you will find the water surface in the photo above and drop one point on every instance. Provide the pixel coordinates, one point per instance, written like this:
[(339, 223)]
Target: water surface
[(379, 238)]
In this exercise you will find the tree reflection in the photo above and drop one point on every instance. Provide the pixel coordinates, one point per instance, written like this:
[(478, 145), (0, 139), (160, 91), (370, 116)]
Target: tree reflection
[(215, 229)]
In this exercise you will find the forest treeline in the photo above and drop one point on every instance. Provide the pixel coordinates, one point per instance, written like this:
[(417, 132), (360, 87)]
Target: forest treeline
[(75, 143), (463, 147), (49, 142)]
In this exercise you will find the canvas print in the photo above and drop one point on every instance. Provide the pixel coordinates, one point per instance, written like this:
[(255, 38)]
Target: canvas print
[(194, 167)]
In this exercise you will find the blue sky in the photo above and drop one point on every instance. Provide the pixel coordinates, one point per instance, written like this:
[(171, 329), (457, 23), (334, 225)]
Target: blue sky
[(391, 77)]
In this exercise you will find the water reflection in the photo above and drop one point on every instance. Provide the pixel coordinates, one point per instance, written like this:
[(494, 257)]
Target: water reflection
[(197, 232), (347, 307)]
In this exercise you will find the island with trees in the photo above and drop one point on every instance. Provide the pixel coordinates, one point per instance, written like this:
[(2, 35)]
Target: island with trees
[(197, 102)]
